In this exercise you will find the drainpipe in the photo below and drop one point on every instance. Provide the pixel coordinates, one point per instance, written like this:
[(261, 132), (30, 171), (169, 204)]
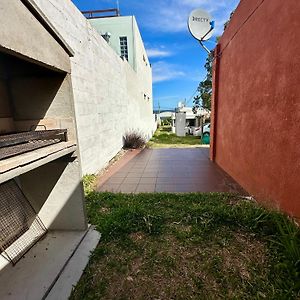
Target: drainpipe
[(214, 103)]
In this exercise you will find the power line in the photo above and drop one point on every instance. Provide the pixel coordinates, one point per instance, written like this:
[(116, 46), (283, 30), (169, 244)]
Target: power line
[(192, 96), (205, 78)]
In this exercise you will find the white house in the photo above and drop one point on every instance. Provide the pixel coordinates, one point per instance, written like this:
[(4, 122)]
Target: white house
[(192, 119)]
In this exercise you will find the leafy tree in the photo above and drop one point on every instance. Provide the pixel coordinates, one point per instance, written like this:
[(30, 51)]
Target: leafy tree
[(203, 99)]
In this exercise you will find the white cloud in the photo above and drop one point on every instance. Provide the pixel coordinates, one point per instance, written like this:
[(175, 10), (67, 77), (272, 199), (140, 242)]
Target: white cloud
[(156, 52), (163, 71), (171, 15)]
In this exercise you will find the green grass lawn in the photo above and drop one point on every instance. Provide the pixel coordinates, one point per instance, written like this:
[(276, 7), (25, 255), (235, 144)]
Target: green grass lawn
[(164, 138), (189, 246)]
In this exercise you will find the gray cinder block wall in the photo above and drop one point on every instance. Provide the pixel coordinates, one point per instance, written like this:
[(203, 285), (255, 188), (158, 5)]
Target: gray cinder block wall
[(108, 93)]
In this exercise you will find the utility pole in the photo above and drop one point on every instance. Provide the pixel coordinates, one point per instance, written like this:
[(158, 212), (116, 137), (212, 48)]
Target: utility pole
[(159, 120), (118, 7)]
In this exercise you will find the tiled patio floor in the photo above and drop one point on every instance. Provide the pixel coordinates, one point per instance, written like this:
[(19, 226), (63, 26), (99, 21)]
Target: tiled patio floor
[(167, 170)]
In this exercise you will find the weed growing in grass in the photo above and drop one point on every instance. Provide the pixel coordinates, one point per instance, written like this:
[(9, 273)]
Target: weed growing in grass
[(88, 183), (134, 140), (191, 246)]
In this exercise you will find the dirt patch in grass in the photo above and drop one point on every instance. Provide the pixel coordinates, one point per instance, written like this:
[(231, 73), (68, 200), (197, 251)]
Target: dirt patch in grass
[(193, 246), (137, 236), (104, 210), (156, 268)]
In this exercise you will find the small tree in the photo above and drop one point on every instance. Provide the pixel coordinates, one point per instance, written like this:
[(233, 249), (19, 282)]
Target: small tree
[(203, 99)]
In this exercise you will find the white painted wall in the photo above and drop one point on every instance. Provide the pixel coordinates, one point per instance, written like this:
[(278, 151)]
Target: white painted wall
[(108, 93)]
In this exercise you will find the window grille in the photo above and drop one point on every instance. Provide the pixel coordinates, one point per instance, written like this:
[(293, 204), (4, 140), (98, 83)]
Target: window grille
[(124, 47)]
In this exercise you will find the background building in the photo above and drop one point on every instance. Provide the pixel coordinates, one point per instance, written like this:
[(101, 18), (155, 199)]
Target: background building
[(123, 35)]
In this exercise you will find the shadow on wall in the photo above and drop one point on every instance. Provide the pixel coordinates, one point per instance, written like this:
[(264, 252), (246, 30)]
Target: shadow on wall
[(56, 194), (26, 93)]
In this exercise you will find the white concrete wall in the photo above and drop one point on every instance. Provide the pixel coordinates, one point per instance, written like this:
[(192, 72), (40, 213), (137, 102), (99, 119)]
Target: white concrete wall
[(108, 93)]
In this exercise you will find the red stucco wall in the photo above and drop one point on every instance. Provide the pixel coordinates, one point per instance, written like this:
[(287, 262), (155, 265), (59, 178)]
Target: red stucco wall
[(257, 101)]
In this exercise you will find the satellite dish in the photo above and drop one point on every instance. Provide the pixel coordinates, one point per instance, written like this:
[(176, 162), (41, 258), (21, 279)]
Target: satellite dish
[(200, 24)]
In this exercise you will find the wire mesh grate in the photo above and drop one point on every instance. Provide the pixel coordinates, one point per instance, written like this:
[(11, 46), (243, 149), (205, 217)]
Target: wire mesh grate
[(20, 227)]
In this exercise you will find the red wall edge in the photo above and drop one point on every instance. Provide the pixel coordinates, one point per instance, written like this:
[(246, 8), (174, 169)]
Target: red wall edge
[(257, 102)]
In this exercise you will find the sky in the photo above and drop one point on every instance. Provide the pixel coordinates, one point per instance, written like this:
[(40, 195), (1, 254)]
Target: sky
[(176, 57)]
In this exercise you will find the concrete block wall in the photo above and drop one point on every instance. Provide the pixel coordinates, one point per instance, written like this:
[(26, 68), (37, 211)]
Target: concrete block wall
[(108, 93)]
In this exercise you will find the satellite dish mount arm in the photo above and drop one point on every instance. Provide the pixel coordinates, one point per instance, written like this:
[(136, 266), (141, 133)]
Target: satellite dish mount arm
[(204, 47), (212, 26)]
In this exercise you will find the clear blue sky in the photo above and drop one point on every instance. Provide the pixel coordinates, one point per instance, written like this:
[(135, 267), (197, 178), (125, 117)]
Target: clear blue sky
[(177, 59)]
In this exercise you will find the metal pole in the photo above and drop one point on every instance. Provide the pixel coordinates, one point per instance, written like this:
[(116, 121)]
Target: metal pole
[(118, 7), (212, 26), (204, 47), (201, 126)]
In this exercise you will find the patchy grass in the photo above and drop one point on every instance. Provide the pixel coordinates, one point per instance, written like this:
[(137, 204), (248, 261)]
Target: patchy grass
[(164, 138), (189, 246)]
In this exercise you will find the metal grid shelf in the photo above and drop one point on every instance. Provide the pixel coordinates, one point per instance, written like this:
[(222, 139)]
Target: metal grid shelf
[(19, 143), (20, 227), (26, 136)]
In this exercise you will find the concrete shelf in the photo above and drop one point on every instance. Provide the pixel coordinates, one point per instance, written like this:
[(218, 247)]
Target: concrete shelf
[(15, 166), (52, 267)]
